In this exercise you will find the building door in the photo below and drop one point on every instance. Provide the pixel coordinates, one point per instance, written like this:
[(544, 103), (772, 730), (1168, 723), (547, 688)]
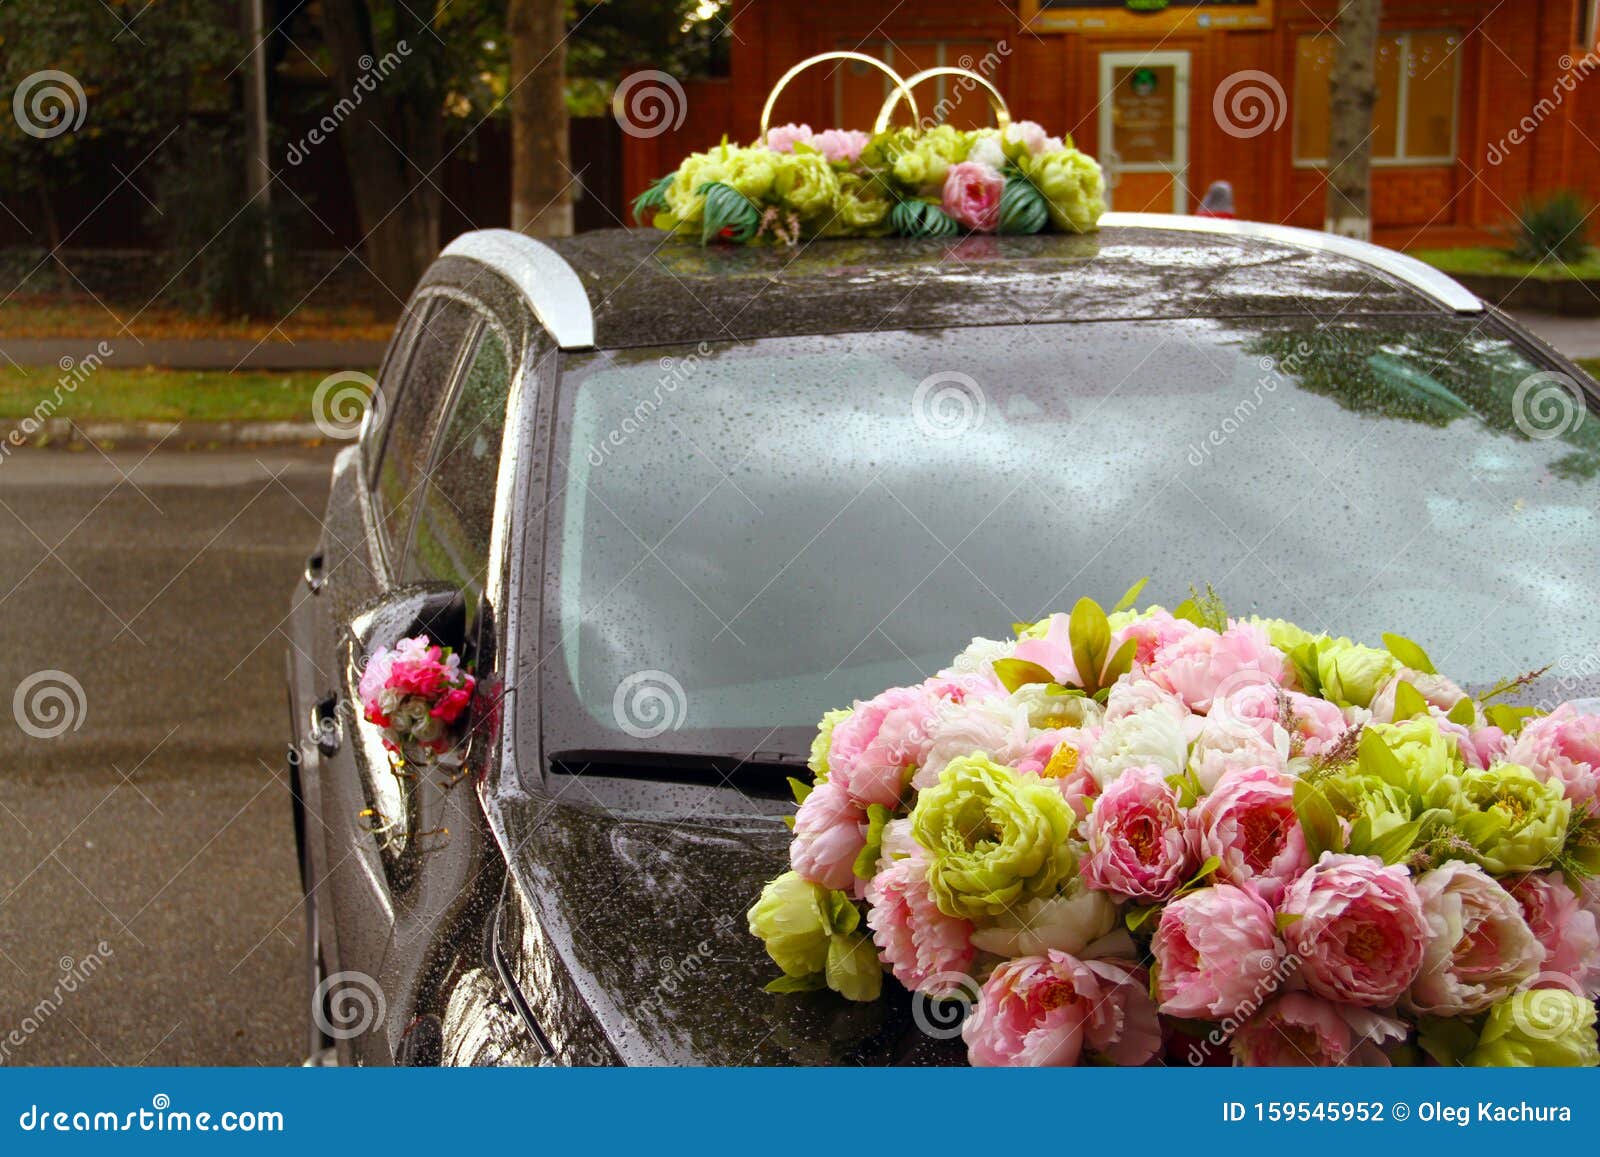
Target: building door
[(1144, 130)]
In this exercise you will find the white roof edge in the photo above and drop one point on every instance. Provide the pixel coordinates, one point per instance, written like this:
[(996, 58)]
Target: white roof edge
[(1441, 287), (543, 277)]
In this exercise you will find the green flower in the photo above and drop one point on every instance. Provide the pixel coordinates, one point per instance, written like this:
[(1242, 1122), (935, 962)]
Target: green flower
[(811, 934), (684, 199), (862, 209), (1425, 754), (1351, 674), (806, 183), (1514, 822), (921, 161), (752, 171), (1541, 1027), (1283, 634), (1073, 187), (1373, 806), (818, 761), (995, 838)]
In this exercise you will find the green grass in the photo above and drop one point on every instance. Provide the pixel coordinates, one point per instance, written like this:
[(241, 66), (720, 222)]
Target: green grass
[(1500, 263), (153, 395)]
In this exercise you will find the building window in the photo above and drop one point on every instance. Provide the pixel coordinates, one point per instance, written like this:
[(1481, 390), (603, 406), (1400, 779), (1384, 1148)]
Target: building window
[(1414, 120), (860, 90)]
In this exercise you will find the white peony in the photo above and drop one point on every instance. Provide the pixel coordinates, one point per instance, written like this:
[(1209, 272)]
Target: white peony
[(1068, 923), (1149, 738), (996, 727)]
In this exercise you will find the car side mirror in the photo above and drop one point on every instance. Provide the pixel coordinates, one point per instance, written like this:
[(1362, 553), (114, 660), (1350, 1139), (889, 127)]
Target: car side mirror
[(438, 611)]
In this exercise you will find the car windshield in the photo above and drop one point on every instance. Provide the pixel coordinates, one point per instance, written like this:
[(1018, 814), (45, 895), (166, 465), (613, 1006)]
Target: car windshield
[(745, 535)]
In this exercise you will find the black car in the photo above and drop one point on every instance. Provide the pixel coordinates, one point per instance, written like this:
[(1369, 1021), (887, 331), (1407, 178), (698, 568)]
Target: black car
[(672, 503)]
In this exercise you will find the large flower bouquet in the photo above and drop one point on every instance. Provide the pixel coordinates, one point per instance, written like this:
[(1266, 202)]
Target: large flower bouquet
[(938, 182), (1175, 836), (416, 695)]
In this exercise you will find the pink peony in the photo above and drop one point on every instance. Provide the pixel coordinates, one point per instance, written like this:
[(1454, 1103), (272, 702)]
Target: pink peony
[(1566, 929), (1564, 745), (1276, 715), (839, 144), (1031, 134), (883, 737), (782, 138), (1217, 954), (1298, 1030), (996, 727), (830, 829), (1479, 948), (1150, 633), (1047, 1010), (1248, 822), (1062, 755), (972, 195), (1436, 691), (925, 949), (1358, 929), (1223, 747), (1199, 664), (1139, 848)]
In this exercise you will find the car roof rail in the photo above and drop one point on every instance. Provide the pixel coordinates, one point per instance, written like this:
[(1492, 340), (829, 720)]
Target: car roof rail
[(547, 283), (1425, 279)]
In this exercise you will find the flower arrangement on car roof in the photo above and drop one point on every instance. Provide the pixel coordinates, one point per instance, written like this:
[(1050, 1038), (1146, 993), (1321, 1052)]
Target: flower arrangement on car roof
[(1178, 836), (793, 183)]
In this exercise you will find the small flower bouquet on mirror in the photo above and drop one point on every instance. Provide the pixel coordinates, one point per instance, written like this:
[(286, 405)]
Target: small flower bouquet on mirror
[(416, 694), (1178, 837)]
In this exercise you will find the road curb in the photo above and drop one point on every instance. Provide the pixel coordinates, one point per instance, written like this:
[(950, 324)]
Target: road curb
[(67, 434)]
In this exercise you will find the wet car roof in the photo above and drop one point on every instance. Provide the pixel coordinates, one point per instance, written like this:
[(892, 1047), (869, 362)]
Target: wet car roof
[(647, 288)]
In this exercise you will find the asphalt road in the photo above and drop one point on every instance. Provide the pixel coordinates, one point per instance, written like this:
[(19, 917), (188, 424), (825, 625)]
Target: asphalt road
[(148, 887)]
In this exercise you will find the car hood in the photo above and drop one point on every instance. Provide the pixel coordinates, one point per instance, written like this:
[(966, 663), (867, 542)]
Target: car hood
[(625, 935)]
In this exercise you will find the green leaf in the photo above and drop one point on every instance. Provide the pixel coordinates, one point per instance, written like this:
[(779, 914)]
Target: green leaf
[(843, 916), (1090, 636), (800, 789), (1409, 653), (1121, 663), (1287, 918), (1018, 628), (1022, 207), (1304, 661), (1464, 713), (728, 214), (1137, 917), (1408, 702), (866, 864), (1376, 758), (1189, 611), (1508, 718), (920, 219), (1211, 865), (1130, 595), (654, 197), (1392, 846), (1016, 673), (812, 983), (1318, 820), (1448, 1039)]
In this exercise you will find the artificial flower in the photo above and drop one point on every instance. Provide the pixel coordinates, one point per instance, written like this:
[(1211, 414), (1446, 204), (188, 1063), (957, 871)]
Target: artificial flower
[(1357, 927), (1479, 948)]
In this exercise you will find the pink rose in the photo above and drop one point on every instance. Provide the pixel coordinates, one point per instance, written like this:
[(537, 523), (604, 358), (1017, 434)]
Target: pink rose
[(1248, 822), (925, 949), (1197, 665), (1566, 929), (1479, 947), (452, 703), (1359, 930), (830, 829), (1299, 1030), (1139, 848), (1217, 953), (972, 195), (782, 138), (839, 144), (1047, 1010), (883, 737), (1564, 745)]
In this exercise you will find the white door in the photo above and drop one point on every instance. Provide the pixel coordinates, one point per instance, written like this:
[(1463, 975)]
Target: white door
[(1144, 130)]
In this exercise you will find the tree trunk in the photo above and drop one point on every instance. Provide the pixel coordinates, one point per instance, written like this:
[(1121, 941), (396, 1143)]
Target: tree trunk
[(541, 176), (392, 132), (1352, 92)]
